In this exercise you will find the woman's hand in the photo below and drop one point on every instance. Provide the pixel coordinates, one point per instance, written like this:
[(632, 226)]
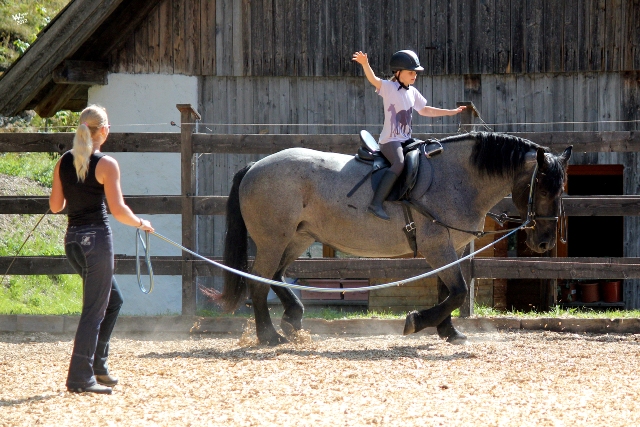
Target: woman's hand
[(145, 225)]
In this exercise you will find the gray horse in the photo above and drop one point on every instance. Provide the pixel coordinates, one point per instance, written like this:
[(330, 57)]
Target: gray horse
[(292, 198)]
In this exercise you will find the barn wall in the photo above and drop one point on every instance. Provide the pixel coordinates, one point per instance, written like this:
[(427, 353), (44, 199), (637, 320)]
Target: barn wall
[(316, 38)]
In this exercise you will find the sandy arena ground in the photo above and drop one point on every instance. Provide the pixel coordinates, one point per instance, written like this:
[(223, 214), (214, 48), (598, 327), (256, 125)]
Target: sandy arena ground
[(498, 379)]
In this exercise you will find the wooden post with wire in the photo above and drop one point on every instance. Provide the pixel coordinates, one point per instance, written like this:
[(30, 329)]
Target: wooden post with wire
[(467, 116), (467, 125), (188, 116)]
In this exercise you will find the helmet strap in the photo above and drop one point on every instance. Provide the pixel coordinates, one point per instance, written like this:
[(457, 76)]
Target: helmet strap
[(402, 85)]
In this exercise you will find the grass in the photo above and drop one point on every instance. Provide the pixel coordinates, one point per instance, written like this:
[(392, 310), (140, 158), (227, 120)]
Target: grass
[(35, 294), (37, 167), (479, 311)]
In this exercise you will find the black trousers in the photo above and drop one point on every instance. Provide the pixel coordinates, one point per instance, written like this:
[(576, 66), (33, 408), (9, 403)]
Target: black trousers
[(89, 249)]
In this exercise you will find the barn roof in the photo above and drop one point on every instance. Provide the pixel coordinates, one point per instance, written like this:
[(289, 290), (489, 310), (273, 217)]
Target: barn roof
[(69, 56)]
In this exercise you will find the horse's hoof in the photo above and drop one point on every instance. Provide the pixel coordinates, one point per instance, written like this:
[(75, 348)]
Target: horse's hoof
[(290, 327), (457, 338), (273, 340), (410, 323)]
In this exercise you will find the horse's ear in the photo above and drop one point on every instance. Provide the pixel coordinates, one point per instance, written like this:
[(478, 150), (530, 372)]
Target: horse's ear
[(565, 156), (540, 157)]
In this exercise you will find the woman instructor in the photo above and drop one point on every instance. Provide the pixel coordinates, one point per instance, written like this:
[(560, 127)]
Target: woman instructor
[(82, 179)]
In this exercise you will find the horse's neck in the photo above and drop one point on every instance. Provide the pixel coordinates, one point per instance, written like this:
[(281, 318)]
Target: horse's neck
[(489, 189)]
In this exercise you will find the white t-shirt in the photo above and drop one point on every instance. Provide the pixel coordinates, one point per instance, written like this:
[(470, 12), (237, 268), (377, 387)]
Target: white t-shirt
[(398, 109)]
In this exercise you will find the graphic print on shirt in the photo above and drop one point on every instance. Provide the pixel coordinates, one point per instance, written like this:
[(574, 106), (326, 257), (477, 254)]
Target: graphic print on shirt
[(400, 121)]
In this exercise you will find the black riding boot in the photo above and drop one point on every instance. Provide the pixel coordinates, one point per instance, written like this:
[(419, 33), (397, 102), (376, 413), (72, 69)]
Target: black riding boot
[(383, 190)]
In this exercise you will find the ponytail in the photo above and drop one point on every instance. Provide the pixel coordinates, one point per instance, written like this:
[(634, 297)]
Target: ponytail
[(82, 150), (92, 119)]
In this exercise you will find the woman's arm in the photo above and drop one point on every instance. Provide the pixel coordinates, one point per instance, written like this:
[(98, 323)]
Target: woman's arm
[(56, 199), (362, 59), (438, 112), (108, 174)]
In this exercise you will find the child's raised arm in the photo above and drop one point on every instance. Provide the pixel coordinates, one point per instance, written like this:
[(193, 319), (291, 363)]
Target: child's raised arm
[(362, 59)]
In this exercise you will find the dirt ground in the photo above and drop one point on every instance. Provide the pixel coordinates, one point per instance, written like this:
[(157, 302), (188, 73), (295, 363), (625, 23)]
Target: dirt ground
[(498, 379)]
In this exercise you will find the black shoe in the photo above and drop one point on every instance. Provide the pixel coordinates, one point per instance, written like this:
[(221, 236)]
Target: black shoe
[(107, 380), (384, 188), (96, 388)]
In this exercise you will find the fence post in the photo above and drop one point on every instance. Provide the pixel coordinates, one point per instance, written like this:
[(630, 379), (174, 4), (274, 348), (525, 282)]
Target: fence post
[(467, 125), (188, 116)]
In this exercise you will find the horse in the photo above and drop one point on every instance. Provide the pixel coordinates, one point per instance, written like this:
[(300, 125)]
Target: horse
[(290, 199)]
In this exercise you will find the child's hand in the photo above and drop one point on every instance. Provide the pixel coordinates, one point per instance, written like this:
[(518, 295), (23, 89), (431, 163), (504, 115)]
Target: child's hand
[(460, 109), (360, 58)]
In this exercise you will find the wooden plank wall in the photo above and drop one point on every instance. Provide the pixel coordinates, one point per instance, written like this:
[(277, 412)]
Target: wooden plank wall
[(317, 38)]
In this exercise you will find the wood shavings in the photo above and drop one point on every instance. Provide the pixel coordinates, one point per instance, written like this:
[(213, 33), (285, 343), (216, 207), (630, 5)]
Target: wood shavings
[(510, 378)]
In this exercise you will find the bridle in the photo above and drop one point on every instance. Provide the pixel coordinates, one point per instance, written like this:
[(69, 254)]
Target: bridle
[(532, 217), (528, 223)]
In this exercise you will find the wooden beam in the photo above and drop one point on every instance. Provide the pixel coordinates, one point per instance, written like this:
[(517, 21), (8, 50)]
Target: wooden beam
[(81, 73), (59, 41), (267, 144), (56, 99), (216, 205), (117, 142), (363, 268)]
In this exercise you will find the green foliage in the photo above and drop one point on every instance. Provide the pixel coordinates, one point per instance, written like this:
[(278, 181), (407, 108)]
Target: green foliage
[(20, 23), (59, 295), (35, 166)]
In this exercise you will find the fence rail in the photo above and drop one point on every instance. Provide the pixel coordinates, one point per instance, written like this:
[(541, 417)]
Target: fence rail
[(216, 205), (359, 268)]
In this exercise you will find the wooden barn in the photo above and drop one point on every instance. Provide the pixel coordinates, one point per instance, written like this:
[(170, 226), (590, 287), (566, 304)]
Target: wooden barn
[(284, 66)]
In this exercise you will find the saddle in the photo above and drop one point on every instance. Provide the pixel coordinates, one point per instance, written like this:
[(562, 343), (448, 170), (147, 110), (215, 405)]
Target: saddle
[(369, 153)]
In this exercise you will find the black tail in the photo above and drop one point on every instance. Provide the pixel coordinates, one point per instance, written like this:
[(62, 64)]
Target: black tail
[(235, 247)]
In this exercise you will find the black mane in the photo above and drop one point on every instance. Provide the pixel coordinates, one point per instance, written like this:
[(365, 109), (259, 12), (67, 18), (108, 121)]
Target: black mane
[(497, 153)]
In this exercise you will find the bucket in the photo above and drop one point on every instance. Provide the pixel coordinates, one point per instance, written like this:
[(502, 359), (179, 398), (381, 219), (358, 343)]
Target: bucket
[(611, 291), (568, 293), (589, 292)]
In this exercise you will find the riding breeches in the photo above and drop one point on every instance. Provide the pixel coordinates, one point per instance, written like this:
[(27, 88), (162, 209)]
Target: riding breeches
[(392, 150)]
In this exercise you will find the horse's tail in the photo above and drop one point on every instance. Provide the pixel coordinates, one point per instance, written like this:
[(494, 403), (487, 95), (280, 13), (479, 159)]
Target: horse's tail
[(235, 247)]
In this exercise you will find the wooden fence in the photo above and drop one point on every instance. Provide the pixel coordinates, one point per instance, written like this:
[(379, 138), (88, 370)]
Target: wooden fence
[(187, 143)]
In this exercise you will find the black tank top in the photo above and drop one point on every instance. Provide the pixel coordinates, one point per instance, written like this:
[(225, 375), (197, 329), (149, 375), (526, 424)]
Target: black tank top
[(85, 200)]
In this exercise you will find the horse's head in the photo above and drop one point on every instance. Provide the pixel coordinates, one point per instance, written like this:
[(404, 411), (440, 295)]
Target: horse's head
[(546, 173)]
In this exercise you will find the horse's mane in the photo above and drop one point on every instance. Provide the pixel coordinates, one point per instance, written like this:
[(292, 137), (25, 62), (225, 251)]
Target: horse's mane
[(496, 153), (500, 154)]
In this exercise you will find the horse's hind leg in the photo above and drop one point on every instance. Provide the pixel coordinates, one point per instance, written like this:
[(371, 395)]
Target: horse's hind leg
[(265, 265), (293, 309)]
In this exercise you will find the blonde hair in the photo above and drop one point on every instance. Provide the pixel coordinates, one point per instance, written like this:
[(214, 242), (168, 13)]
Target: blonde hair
[(91, 120)]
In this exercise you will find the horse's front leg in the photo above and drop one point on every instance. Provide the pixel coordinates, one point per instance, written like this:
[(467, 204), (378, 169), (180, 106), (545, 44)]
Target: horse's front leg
[(446, 330), (451, 297)]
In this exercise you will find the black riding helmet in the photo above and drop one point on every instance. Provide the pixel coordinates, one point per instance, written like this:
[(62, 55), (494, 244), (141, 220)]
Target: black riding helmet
[(405, 60)]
